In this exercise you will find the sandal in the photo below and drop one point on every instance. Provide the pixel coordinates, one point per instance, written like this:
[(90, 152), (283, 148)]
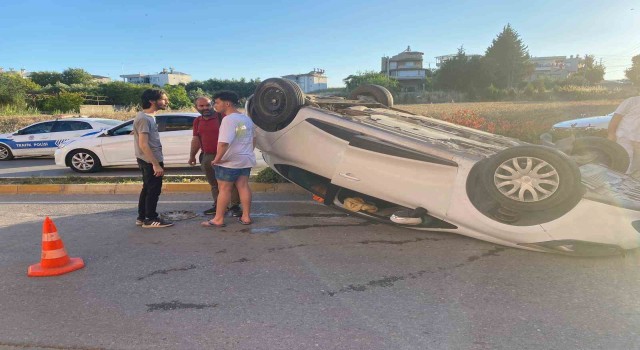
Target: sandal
[(245, 222), (209, 223)]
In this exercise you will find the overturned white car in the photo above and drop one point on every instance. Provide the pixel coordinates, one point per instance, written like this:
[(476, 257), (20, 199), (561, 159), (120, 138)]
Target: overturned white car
[(366, 157)]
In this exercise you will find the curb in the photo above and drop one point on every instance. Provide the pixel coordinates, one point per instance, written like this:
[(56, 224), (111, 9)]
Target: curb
[(135, 188)]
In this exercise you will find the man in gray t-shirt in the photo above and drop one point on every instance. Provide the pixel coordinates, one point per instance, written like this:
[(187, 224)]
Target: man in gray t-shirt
[(146, 124), (148, 151)]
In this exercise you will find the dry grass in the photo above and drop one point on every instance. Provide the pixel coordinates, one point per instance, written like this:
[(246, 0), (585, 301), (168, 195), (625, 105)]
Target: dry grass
[(546, 112)]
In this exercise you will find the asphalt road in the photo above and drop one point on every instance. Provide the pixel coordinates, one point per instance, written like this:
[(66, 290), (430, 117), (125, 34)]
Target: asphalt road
[(302, 276), (46, 167)]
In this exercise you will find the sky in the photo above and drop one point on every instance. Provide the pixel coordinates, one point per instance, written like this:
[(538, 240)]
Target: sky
[(236, 39)]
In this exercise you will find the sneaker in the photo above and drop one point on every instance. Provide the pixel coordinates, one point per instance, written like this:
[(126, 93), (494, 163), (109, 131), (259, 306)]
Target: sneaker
[(156, 223), (211, 211), (235, 211), (139, 222)]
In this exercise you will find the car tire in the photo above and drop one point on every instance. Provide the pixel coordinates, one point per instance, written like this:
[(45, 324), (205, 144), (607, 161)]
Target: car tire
[(598, 150), (275, 103), (531, 178), (379, 93), (83, 161), (5, 153)]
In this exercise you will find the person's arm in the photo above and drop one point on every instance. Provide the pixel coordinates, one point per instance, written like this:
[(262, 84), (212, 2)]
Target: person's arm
[(195, 147), (143, 142), (254, 143), (223, 147), (613, 126)]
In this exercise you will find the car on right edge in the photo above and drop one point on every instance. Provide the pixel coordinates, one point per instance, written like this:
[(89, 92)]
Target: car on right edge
[(361, 155)]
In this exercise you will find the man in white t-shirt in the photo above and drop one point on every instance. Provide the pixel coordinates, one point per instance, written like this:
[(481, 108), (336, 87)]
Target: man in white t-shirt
[(234, 157), (624, 128)]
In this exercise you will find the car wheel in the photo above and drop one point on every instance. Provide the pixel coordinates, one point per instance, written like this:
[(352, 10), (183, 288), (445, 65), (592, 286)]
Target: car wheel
[(5, 153), (275, 103), (598, 150), (525, 178), (379, 93), (83, 161)]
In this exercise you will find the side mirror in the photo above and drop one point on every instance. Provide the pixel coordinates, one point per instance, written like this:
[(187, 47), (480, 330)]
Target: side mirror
[(19, 132)]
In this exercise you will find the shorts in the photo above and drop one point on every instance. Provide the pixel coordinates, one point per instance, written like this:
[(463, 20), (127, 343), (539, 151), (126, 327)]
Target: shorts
[(230, 174)]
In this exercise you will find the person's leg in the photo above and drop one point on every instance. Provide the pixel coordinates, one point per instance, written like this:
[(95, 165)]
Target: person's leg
[(210, 174), (142, 200), (154, 189), (234, 204), (634, 167), (242, 184), (628, 146), (224, 195)]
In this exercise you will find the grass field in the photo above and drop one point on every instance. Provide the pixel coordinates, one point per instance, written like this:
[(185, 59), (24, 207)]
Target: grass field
[(532, 117), (550, 112)]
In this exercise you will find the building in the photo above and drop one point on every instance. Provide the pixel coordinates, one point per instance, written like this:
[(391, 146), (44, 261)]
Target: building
[(166, 77), (100, 79), (407, 68), (555, 67), (309, 82)]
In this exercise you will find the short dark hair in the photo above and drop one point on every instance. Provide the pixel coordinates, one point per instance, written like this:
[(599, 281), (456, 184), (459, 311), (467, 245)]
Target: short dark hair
[(227, 96), (151, 95)]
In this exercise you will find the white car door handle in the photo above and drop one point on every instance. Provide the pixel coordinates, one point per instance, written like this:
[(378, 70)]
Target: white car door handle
[(349, 176)]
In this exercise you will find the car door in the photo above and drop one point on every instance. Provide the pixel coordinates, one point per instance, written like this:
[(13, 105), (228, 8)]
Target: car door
[(34, 140), (396, 173), (64, 130), (175, 135), (117, 145)]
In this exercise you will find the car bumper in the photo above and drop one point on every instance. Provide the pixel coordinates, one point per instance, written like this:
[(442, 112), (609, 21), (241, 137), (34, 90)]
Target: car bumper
[(60, 155)]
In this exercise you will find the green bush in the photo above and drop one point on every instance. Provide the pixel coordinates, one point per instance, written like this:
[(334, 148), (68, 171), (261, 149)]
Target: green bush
[(267, 175), (121, 93), (178, 98), (64, 102)]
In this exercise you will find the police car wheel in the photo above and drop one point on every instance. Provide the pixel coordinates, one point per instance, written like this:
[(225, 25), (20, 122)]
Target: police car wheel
[(5, 153), (82, 161)]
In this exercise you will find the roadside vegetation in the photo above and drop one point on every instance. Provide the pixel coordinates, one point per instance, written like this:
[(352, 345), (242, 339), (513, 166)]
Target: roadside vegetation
[(522, 120)]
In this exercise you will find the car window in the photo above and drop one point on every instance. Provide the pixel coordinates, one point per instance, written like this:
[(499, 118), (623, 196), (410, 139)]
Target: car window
[(62, 126), (39, 128), (125, 129), (178, 122)]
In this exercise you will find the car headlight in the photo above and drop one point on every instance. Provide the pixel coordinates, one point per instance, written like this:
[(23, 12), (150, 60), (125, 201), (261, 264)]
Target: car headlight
[(577, 248)]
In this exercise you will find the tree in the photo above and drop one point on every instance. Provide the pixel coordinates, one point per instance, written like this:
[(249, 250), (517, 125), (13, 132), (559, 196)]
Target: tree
[(370, 77), (633, 73), (45, 78), (63, 102), (14, 89), (507, 59), (121, 93), (463, 73), (178, 97), (76, 76), (591, 71)]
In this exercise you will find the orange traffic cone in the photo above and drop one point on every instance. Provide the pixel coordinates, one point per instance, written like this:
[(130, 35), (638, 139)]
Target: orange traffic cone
[(54, 257)]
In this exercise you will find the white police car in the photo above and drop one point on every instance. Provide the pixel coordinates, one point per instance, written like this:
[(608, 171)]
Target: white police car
[(43, 138), (114, 147)]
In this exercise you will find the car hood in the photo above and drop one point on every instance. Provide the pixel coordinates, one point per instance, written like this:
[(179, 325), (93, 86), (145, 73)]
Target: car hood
[(6, 136), (600, 122)]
